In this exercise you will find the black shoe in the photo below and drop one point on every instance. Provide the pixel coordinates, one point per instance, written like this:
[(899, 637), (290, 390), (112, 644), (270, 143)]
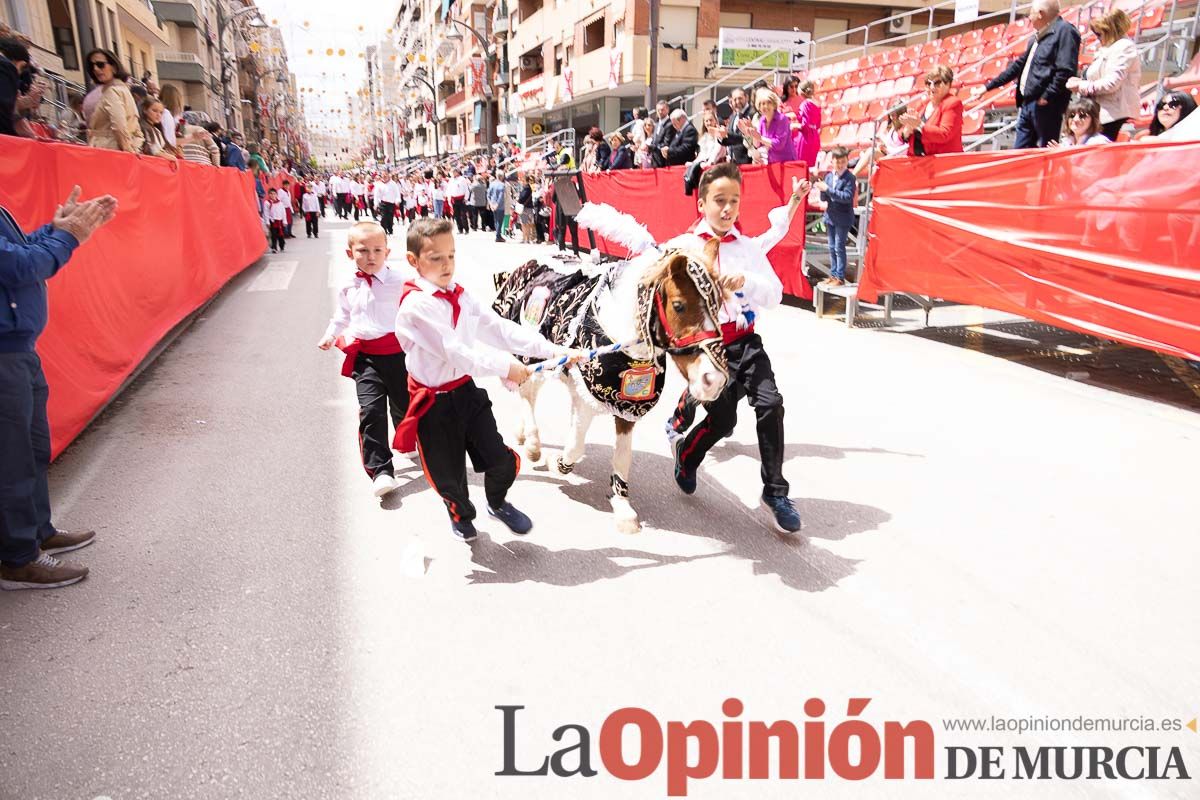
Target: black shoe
[(516, 521), (685, 480), (787, 518), (464, 529)]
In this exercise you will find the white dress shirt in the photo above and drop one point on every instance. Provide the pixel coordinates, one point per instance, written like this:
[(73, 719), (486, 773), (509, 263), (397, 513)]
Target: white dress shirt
[(458, 187), (277, 211), (480, 345), (387, 192), (357, 189), (746, 256), (319, 188), (367, 310), (310, 202)]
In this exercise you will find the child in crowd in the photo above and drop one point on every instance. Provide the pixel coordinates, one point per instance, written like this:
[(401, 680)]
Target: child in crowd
[(754, 287), (450, 338), (838, 190), (310, 204), (363, 327), (277, 214)]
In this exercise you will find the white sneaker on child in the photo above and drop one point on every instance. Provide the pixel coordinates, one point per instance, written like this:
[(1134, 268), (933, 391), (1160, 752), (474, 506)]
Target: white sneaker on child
[(383, 484)]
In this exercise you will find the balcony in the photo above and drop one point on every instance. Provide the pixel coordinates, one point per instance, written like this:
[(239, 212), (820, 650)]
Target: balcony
[(175, 66), (183, 14), (455, 100)]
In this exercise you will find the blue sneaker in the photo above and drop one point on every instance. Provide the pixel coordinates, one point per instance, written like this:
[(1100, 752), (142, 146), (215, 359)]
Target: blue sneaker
[(464, 529), (516, 521), (787, 518), (684, 479), (673, 435)]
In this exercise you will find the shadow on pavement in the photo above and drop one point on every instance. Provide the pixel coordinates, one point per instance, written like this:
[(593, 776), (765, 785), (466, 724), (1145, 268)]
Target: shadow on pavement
[(714, 512)]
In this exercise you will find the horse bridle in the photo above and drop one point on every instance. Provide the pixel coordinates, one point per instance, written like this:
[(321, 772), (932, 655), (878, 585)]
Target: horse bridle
[(708, 341)]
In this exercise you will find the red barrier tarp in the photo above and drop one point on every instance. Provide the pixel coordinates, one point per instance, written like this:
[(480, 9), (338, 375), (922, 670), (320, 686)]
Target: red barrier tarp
[(181, 232), (1103, 240), (655, 197)]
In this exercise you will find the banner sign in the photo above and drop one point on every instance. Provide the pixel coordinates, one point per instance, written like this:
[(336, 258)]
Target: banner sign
[(787, 50)]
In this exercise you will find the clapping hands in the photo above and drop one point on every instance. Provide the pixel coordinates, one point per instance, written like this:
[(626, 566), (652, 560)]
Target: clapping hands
[(82, 219)]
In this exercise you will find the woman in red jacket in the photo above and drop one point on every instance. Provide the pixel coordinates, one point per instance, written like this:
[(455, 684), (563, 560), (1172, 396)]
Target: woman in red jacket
[(939, 129)]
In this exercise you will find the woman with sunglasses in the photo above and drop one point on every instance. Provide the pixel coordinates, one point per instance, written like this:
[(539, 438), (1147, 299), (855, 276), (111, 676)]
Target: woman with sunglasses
[(939, 129), (115, 124), (1081, 125), (1115, 75), (1171, 108)]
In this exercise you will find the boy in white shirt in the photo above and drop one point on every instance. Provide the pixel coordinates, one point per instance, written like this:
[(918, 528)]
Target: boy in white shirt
[(363, 327), (310, 204), (277, 214), (449, 338), (745, 271)]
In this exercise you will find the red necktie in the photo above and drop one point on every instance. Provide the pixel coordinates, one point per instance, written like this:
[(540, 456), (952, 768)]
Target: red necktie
[(451, 296), (729, 237), (368, 277)]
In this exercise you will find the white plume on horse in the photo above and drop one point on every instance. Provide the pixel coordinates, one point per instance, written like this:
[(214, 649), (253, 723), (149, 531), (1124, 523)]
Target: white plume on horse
[(615, 226)]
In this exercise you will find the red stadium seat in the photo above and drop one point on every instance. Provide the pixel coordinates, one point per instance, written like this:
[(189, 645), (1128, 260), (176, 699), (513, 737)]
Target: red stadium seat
[(994, 33), (893, 71), (951, 57), (972, 38), (993, 67), (829, 133), (952, 42), (1020, 28), (878, 59), (931, 48), (842, 81), (850, 96), (912, 68), (1151, 19), (868, 92), (995, 46), (839, 115), (971, 55), (903, 86), (858, 112), (877, 109), (873, 75), (895, 55), (885, 89), (846, 136)]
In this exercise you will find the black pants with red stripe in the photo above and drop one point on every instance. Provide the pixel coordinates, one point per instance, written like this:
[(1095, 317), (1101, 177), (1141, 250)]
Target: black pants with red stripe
[(750, 376), (461, 424), (382, 383)]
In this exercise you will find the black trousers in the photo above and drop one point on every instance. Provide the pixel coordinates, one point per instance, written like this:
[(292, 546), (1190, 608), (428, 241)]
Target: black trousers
[(461, 424), (382, 384), (346, 197), (387, 216), (473, 216), (321, 200), (750, 376), (460, 214), (277, 241), (24, 459), (357, 210), (311, 221), (486, 219), (561, 223)]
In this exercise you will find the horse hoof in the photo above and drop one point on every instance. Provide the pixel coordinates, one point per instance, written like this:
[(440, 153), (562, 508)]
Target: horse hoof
[(534, 455), (629, 525), (520, 438), (563, 467)]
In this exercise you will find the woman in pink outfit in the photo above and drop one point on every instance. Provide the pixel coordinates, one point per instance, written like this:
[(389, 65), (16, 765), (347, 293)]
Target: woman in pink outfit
[(808, 137)]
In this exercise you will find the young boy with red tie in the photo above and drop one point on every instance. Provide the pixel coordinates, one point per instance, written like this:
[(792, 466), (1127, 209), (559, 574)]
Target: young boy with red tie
[(450, 338), (745, 272), (363, 326)]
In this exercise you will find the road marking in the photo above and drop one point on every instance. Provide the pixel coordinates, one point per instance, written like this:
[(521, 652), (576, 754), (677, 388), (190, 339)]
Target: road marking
[(275, 277)]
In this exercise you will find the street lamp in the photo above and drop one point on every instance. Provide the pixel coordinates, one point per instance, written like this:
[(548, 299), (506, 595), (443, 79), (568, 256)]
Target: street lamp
[(490, 53), (418, 76), (223, 21)]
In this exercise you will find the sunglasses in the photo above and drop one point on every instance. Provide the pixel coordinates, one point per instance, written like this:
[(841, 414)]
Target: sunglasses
[(933, 82), (98, 64), (1080, 115), (1173, 104)]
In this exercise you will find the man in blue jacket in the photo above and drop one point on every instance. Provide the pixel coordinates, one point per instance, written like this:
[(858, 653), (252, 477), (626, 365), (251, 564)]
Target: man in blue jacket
[(1041, 75), (28, 540)]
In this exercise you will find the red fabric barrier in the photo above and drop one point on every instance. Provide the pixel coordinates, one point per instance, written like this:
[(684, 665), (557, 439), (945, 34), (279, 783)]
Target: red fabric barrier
[(181, 232), (655, 197), (1103, 240)]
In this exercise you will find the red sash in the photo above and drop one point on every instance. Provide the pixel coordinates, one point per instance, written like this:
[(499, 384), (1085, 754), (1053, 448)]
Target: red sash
[(730, 332), (385, 345)]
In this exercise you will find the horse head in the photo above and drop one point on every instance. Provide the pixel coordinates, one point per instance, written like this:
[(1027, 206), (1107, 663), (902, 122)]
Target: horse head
[(680, 302)]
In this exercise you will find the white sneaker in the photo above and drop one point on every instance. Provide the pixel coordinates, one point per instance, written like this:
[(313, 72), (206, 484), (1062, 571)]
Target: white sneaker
[(383, 484), (411, 456)]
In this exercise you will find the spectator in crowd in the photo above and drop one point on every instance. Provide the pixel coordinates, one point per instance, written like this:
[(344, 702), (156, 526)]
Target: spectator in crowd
[(838, 192), (603, 149), (28, 539), (645, 151), (1082, 126), (711, 151), (637, 129), (1170, 110), (664, 132), (477, 204), (808, 120), (893, 141), (684, 144), (587, 152), (734, 141), (235, 156), (115, 124), (622, 152), (1050, 60), (214, 130), (563, 222), (772, 137), (152, 132), (1114, 77), (525, 210), (15, 71), (196, 143), (939, 129), (495, 203)]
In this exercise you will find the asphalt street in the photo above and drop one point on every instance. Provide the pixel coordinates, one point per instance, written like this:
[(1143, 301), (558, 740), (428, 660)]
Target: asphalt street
[(981, 538)]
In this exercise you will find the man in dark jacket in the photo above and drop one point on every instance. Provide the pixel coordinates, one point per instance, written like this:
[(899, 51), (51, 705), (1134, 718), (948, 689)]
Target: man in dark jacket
[(686, 142), (739, 109), (1041, 74), (28, 540), (663, 133), (14, 66)]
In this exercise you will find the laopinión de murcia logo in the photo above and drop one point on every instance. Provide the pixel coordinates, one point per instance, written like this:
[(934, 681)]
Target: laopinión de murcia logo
[(813, 748)]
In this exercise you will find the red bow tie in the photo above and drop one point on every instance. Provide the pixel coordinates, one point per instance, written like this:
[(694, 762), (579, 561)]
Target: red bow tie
[(451, 296), (729, 237), (366, 276)]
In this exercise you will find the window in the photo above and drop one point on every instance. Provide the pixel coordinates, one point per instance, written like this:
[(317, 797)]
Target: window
[(678, 25), (619, 35), (558, 60), (593, 35), (112, 32), (103, 37), (830, 27), (64, 45), (736, 19)]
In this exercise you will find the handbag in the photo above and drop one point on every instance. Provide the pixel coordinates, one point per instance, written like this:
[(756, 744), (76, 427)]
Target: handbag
[(691, 177), (518, 208)]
